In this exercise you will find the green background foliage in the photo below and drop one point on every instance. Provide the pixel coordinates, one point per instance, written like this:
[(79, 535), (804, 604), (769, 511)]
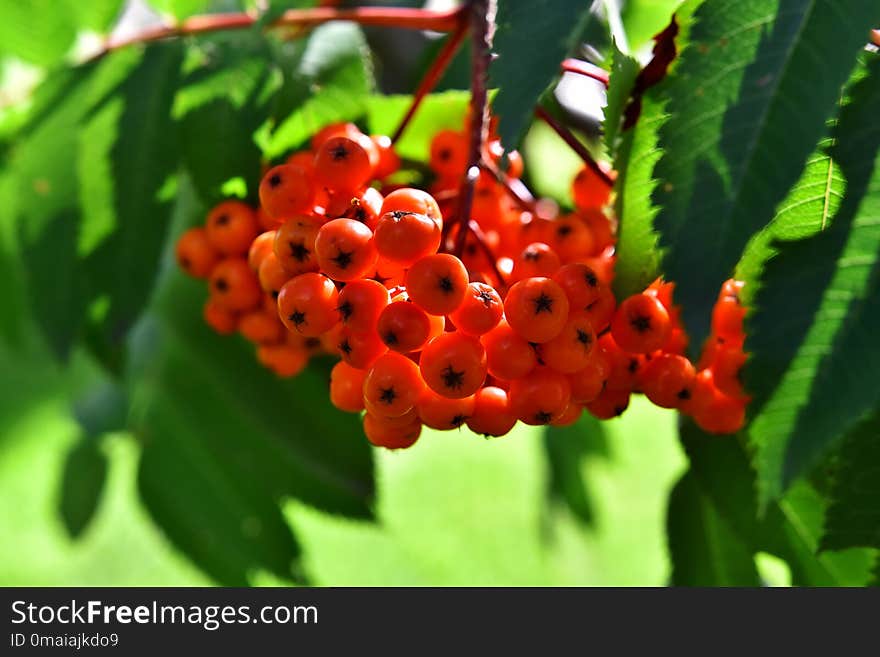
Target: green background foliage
[(137, 447)]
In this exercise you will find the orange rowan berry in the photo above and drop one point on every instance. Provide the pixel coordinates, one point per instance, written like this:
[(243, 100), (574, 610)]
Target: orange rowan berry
[(609, 404), (260, 247), (571, 415), (668, 380), (536, 308), (623, 367), (222, 320), (438, 283), (272, 275), (231, 227), (589, 190), (266, 221), (234, 286), (261, 327), (393, 385), (537, 259), (343, 164), (349, 130), (480, 311), (600, 228), (712, 410), (285, 361), (589, 382), (404, 326), (286, 190), (345, 249), (294, 244), (726, 368), (640, 324), (572, 349), (360, 304), (404, 237), (347, 387), (541, 397), (453, 365), (727, 319), (580, 283), (195, 253), (571, 238), (359, 349), (491, 415), (508, 355), (383, 434), (439, 412), (307, 304), (389, 162), (449, 153), (417, 201)]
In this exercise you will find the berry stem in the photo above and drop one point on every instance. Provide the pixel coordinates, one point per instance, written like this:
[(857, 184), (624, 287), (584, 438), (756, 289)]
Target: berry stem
[(480, 239), (432, 76), (482, 20), (399, 17), (568, 137), (514, 188), (585, 68)]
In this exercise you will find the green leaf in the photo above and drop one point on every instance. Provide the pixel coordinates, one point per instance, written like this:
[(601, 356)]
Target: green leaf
[(853, 518), (38, 31), (181, 9), (82, 482), (557, 25), (102, 408), (224, 96), (143, 158), (742, 124), (624, 70), (644, 18), (810, 330), (326, 79), (97, 15), (704, 549), (567, 450), (439, 111)]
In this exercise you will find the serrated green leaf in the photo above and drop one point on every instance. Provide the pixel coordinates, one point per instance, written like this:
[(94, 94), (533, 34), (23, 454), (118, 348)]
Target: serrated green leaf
[(326, 80), (853, 518), (567, 450), (38, 31), (82, 482), (557, 25), (439, 111), (624, 70), (810, 331), (704, 549), (737, 102)]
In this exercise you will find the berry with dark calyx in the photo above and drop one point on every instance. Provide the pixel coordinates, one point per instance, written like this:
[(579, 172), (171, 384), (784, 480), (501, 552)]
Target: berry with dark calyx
[(641, 324), (393, 385), (480, 312), (195, 253), (285, 191), (405, 237), (453, 365), (438, 283), (343, 164), (541, 397), (536, 308), (344, 249), (491, 416), (234, 286), (307, 304), (442, 413)]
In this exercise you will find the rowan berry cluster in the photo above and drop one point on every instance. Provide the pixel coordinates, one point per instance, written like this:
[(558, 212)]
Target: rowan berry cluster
[(514, 321)]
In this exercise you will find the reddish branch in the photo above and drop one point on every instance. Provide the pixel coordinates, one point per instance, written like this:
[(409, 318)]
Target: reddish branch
[(482, 23), (575, 144), (403, 18), (514, 188), (480, 240), (585, 68), (432, 76)]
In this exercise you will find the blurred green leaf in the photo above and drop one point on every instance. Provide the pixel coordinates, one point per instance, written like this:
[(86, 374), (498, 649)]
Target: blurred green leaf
[(439, 111), (810, 333), (714, 186), (326, 78), (82, 482), (645, 18), (97, 15), (567, 450), (101, 408), (38, 31), (180, 9), (704, 549), (853, 518), (556, 26)]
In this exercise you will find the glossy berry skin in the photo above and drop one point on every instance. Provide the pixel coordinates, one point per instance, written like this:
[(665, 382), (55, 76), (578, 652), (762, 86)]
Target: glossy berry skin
[(220, 319), (572, 349), (286, 190), (589, 190), (641, 324), (726, 367), (405, 237), (727, 319), (417, 201), (349, 130), (537, 309), (195, 253), (383, 434), (345, 250), (571, 238), (668, 380), (480, 312), (571, 415), (272, 275), (609, 404), (404, 327), (294, 244), (438, 283), (449, 153), (453, 365), (602, 310), (442, 413), (231, 226), (492, 415), (509, 356), (347, 387), (580, 283), (393, 385), (541, 397), (588, 383), (712, 410), (389, 161), (234, 286), (360, 304), (537, 259), (342, 164), (260, 248), (359, 349), (260, 327), (285, 361), (307, 304)]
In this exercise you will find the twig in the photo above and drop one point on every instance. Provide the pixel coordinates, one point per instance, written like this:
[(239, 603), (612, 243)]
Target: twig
[(480, 239), (432, 76), (585, 68), (399, 17), (574, 144), (482, 20), (514, 188)]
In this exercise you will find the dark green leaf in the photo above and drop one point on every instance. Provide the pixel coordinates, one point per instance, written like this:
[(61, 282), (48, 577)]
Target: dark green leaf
[(704, 549), (738, 102), (38, 31), (82, 481), (326, 79), (101, 408), (853, 518), (567, 450), (624, 70), (810, 331), (545, 29), (143, 158)]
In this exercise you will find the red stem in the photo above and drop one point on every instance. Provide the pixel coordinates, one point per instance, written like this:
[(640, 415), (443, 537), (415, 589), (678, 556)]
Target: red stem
[(514, 187), (585, 68), (480, 239), (482, 20), (432, 76), (573, 142), (399, 17)]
